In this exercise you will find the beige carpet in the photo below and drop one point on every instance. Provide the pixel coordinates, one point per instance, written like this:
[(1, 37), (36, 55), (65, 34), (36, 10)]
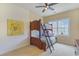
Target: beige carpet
[(25, 51)]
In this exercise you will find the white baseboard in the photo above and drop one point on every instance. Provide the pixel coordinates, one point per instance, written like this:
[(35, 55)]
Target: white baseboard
[(14, 48)]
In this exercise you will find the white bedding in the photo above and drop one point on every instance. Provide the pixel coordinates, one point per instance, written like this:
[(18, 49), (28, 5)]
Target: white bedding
[(53, 40), (35, 33)]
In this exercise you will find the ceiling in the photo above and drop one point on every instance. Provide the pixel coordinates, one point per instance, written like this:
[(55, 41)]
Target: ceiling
[(61, 7)]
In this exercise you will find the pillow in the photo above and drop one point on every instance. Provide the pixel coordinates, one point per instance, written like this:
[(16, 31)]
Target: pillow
[(35, 33)]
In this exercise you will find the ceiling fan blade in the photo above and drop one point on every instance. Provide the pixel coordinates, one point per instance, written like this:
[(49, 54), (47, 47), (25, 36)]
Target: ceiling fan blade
[(43, 10), (52, 4), (46, 4), (51, 8), (39, 6)]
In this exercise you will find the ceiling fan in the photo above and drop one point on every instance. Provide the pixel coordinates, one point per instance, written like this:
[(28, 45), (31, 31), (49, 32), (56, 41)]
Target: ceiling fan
[(47, 6)]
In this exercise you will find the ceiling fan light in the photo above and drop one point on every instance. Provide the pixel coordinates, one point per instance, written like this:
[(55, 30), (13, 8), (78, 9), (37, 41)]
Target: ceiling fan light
[(46, 8)]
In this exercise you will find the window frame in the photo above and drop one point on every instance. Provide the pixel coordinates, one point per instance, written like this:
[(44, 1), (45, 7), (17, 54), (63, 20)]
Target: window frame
[(60, 27)]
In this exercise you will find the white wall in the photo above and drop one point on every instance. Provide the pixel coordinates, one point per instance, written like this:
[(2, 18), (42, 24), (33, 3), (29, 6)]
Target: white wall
[(8, 43)]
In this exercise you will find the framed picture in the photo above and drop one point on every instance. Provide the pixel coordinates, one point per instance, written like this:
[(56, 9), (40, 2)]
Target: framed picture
[(15, 27)]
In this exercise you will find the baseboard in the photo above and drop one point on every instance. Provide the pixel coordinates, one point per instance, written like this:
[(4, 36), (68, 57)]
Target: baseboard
[(14, 48)]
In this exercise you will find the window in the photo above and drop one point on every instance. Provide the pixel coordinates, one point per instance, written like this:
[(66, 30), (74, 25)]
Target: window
[(54, 28), (60, 27)]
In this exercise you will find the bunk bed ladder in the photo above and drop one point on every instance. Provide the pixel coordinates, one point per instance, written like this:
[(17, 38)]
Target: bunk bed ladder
[(46, 34)]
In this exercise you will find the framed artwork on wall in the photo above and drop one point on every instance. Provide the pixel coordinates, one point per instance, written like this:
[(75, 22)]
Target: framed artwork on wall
[(15, 27)]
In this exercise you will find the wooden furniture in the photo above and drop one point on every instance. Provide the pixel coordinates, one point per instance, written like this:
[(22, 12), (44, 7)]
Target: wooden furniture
[(36, 41), (77, 47)]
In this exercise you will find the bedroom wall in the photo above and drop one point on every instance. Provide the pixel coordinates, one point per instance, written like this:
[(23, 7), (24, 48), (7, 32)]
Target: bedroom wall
[(73, 15), (8, 43)]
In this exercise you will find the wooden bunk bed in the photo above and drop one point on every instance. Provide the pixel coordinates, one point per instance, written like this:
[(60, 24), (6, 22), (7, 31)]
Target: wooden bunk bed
[(36, 41)]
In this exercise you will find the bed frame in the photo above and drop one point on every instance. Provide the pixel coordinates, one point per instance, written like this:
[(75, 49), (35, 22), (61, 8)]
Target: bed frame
[(35, 25)]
